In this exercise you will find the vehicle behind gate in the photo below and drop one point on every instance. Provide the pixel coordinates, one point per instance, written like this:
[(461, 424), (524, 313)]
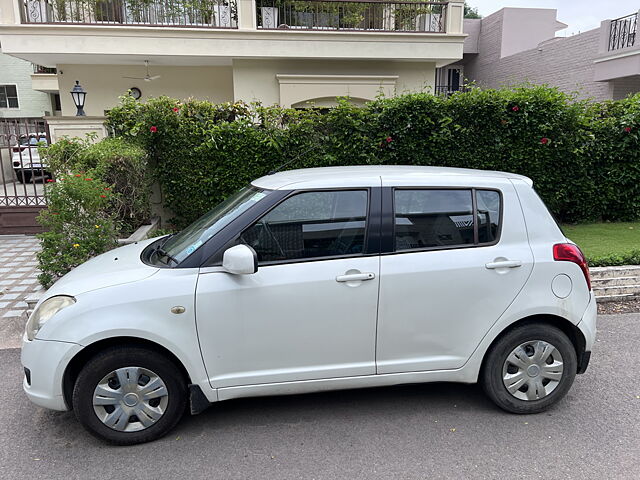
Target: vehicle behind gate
[(314, 280), (23, 174)]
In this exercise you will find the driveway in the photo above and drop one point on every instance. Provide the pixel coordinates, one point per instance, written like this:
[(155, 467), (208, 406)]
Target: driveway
[(411, 432), (18, 281)]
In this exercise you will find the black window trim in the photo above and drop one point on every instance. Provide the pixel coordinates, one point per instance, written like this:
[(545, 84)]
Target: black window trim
[(389, 212), (372, 228), (17, 97)]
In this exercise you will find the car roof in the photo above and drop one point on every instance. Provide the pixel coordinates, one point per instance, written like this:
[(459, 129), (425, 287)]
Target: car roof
[(376, 176)]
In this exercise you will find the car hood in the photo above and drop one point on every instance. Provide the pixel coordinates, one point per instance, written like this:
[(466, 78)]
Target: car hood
[(116, 267)]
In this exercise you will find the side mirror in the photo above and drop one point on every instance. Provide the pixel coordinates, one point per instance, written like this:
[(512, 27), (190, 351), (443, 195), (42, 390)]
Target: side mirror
[(240, 260)]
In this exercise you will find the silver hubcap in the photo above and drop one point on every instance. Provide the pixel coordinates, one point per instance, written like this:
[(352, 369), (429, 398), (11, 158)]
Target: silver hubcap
[(532, 370), (130, 399)]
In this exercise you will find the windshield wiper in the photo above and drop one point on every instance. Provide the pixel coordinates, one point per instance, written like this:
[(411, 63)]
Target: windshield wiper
[(161, 251)]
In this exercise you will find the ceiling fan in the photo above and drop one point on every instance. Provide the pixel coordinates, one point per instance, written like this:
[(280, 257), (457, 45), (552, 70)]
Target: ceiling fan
[(147, 77)]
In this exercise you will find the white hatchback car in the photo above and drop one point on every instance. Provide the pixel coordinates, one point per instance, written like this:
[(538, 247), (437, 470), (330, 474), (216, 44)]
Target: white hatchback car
[(25, 157), (320, 279)]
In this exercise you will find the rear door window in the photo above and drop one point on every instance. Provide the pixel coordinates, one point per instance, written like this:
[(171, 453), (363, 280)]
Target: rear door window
[(441, 218)]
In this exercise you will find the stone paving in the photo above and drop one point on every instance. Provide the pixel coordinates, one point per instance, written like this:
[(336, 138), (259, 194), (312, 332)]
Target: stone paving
[(18, 280)]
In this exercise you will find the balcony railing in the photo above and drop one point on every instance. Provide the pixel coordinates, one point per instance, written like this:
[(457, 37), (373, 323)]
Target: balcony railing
[(623, 32), (354, 15), (174, 13), (41, 69)]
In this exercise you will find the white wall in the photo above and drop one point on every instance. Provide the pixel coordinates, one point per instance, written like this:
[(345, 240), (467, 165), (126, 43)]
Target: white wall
[(14, 71), (256, 79), (105, 84), (566, 63)]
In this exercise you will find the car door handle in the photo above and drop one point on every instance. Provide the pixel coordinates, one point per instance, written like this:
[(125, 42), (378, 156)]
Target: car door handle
[(504, 264), (355, 277)]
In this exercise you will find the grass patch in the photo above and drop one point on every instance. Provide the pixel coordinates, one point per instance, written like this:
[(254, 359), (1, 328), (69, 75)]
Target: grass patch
[(607, 243)]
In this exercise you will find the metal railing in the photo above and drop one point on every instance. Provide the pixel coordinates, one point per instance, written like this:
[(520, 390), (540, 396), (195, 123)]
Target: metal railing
[(156, 13), (353, 15), (41, 69), (623, 32), (23, 173), (449, 89)]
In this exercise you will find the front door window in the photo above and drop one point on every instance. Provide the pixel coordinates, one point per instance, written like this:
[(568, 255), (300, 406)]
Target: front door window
[(311, 225)]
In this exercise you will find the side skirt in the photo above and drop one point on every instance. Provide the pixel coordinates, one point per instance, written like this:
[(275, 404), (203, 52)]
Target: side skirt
[(461, 375)]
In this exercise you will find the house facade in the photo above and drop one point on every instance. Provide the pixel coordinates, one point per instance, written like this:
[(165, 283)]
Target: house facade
[(17, 98), (519, 45), (287, 52)]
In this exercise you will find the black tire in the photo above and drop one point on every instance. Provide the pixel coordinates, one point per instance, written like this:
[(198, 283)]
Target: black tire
[(112, 359), (491, 376), (23, 176)]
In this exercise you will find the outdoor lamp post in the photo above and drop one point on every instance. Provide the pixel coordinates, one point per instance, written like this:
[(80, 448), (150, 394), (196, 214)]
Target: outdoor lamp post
[(78, 94)]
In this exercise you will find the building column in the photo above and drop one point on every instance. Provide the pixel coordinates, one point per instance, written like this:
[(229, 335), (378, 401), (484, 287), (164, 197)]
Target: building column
[(455, 17), (246, 14)]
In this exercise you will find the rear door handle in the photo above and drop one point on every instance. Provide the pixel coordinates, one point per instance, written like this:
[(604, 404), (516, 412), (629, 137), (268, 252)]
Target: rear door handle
[(504, 264), (355, 277)]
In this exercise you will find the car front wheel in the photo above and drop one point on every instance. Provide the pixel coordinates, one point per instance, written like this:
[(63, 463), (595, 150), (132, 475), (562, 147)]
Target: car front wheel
[(129, 395), (530, 368)]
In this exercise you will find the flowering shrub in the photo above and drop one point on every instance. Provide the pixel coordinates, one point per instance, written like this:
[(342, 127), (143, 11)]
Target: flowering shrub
[(119, 163), (584, 158), (77, 222)]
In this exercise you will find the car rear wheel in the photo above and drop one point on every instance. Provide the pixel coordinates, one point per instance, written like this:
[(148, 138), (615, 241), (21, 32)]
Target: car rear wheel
[(23, 176), (530, 368), (129, 395)]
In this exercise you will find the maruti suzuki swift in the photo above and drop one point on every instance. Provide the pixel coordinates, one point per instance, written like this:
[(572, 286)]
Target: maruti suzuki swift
[(320, 279)]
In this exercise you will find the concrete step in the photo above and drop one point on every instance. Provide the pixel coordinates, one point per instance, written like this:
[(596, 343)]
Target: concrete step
[(615, 281), (615, 272), (619, 290), (617, 298)]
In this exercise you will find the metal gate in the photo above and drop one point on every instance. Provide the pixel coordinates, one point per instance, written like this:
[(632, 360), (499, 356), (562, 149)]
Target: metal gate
[(23, 174)]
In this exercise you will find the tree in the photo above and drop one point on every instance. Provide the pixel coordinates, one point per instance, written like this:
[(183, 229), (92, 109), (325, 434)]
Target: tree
[(470, 12)]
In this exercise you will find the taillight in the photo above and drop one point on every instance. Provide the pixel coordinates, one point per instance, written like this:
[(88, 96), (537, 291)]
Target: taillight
[(18, 149), (568, 252)]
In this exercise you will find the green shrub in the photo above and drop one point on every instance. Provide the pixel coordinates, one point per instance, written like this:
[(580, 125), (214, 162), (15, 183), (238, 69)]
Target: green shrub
[(77, 223), (614, 260), (119, 163)]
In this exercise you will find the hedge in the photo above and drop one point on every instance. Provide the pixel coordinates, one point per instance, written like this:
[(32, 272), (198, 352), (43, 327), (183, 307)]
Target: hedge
[(583, 157)]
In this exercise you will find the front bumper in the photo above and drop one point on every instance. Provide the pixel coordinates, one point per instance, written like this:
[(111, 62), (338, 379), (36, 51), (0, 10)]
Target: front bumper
[(46, 362)]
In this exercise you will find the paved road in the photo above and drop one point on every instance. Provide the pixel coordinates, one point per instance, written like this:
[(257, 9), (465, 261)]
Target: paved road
[(388, 433)]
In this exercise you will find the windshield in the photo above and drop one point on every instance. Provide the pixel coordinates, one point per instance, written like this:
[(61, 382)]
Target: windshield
[(183, 244)]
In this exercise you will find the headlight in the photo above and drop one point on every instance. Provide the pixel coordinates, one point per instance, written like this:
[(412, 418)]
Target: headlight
[(45, 311)]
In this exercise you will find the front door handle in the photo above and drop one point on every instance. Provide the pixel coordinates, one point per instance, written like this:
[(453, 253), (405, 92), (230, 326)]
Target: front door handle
[(504, 264), (355, 277)]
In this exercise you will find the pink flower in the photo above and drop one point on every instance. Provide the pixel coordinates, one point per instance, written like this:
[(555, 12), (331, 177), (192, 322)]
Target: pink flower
[(389, 139), (78, 175), (176, 109), (627, 129), (153, 129), (88, 179), (544, 140), (103, 196), (50, 180), (516, 109)]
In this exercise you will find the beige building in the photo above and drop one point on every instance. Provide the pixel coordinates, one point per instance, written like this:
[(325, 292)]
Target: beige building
[(288, 52), (518, 45)]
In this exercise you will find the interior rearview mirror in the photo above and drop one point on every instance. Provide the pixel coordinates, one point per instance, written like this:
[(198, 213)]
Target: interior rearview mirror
[(240, 260)]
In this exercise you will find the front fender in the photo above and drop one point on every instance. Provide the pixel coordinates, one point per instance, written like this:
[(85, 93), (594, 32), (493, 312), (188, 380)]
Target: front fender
[(139, 310)]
